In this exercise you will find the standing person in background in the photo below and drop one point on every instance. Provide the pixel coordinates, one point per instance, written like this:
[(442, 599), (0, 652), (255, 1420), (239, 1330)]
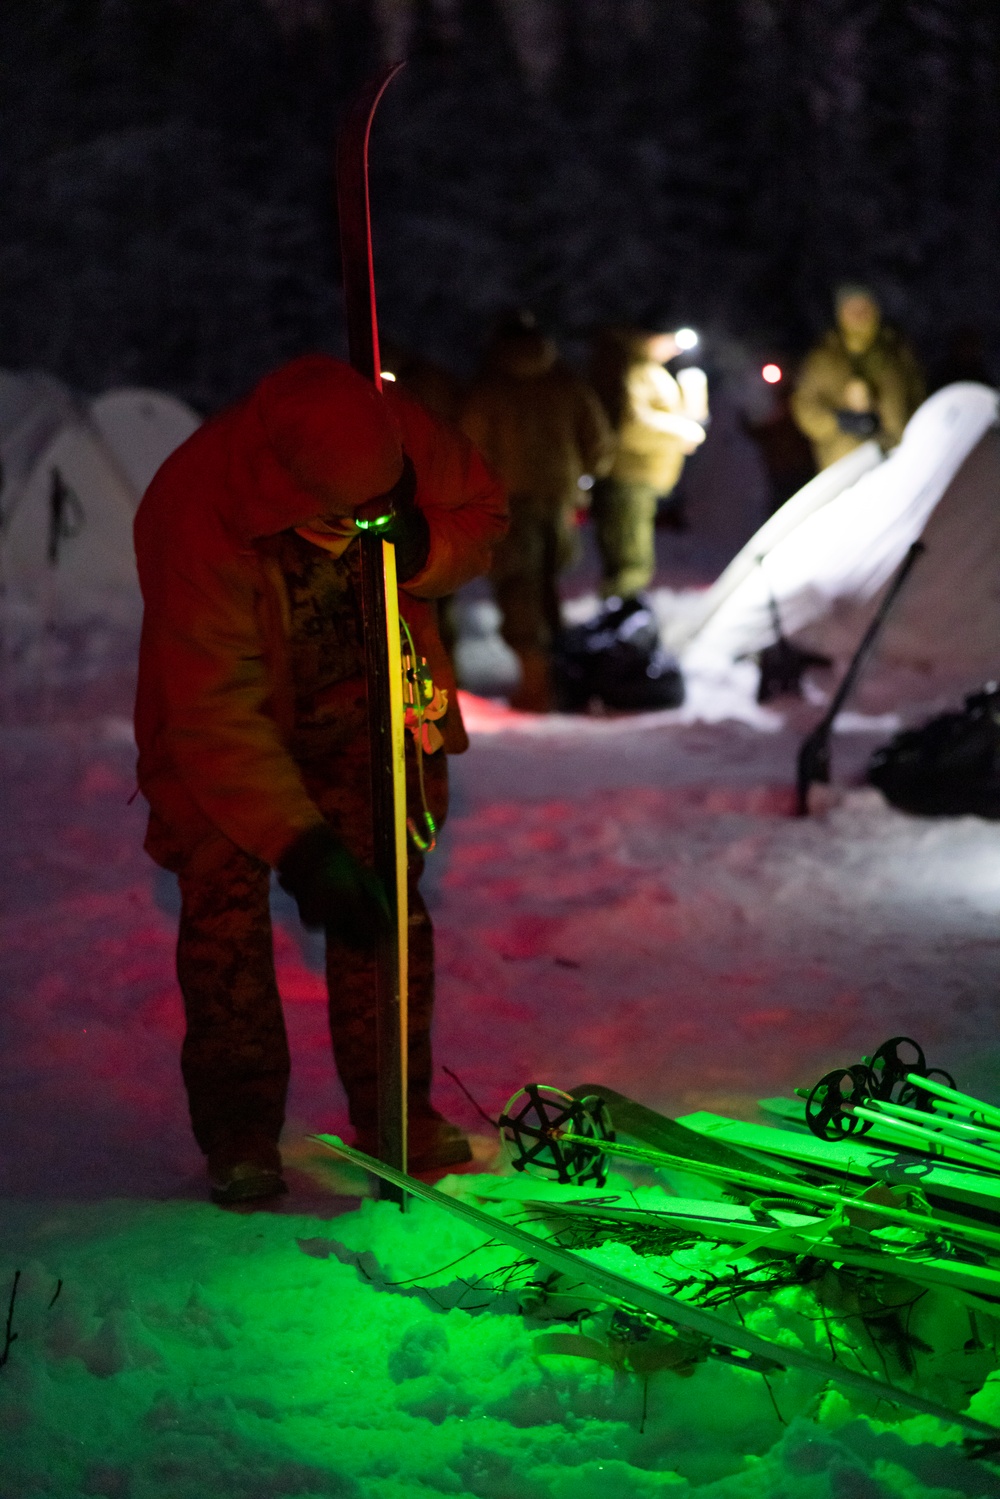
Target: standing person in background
[(657, 425), (440, 393), (862, 380), (437, 389), (541, 429)]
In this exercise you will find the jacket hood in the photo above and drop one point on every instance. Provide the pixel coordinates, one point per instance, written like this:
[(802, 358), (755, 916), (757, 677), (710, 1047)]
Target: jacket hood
[(315, 416)]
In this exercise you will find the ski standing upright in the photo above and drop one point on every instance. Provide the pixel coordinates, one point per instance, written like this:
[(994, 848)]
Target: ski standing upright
[(382, 649)]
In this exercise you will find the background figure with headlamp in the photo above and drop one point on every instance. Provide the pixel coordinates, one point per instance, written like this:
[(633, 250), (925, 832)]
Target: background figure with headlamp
[(541, 429), (658, 421), (252, 728), (862, 380)]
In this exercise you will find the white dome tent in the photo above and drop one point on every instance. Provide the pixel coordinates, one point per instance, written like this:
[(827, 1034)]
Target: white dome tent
[(73, 473), (33, 407), (826, 556), (142, 428)]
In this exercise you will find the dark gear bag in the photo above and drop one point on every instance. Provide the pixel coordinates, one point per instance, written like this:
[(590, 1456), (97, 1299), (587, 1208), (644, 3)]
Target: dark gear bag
[(617, 658), (950, 767)]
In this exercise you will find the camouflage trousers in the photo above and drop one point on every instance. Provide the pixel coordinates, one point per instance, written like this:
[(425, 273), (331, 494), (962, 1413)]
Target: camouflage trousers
[(235, 1059), (524, 576), (624, 522)]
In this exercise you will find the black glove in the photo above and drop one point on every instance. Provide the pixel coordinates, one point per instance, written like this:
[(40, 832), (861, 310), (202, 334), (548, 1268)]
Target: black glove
[(396, 516), (334, 890), (858, 423)]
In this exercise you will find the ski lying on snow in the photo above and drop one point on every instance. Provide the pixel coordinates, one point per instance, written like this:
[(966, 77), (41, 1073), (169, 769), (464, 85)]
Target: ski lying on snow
[(671, 1135), (716, 1140), (660, 1304), (954, 1186), (978, 1285)]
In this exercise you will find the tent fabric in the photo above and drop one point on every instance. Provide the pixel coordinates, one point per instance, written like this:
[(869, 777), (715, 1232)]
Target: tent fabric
[(68, 544), (947, 620), (142, 428), (826, 564), (73, 475), (826, 486), (33, 408)]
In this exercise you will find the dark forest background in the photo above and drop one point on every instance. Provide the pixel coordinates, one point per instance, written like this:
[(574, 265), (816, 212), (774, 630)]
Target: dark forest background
[(165, 174)]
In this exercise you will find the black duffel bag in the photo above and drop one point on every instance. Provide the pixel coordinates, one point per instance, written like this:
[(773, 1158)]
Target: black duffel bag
[(618, 659), (948, 768)]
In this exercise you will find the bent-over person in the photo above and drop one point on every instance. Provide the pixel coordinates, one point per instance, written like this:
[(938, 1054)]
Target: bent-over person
[(252, 728)]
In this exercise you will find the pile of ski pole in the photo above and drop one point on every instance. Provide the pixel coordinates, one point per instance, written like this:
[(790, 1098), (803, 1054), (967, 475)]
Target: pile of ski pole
[(908, 1104), (956, 1126)]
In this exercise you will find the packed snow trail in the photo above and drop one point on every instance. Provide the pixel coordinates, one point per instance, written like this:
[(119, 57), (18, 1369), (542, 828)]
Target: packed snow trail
[(626, 900)]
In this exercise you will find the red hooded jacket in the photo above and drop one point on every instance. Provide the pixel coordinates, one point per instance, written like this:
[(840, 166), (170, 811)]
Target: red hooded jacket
[(215, 706)]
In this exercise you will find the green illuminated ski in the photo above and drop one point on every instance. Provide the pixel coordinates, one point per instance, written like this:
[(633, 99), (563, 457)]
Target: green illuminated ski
[(621, 1290)]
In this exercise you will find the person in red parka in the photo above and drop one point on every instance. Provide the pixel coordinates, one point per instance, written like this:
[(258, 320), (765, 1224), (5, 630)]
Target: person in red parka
[(251, 724)]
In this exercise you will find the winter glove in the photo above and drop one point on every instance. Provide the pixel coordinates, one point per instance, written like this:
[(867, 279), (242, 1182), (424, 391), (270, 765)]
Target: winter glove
[(396, 517), (858, 423), (334, 891)]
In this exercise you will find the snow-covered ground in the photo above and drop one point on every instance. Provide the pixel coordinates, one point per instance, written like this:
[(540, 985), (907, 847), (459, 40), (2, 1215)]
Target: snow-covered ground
[(617, 900)]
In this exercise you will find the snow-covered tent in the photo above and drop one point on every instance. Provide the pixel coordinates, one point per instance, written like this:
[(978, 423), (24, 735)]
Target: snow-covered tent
[(73, 474), (826, 556)]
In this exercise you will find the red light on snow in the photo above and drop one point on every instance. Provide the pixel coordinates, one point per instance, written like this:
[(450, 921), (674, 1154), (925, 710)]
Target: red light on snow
[(771, 373)]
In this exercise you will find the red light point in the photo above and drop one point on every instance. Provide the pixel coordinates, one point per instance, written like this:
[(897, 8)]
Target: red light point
[(771, 373)]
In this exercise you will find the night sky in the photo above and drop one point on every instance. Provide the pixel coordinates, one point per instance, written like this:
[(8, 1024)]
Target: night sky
[(165, 178)]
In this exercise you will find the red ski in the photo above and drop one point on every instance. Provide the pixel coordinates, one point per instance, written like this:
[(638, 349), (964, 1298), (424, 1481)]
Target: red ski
[(381, 618)]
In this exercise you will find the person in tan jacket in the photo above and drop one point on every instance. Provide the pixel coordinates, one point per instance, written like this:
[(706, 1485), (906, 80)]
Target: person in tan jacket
[(541, 429), (657, 426), (862, 380)]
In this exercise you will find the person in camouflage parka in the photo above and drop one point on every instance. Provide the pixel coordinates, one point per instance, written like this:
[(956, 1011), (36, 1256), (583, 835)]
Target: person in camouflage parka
[(251, 725), (541, 429)]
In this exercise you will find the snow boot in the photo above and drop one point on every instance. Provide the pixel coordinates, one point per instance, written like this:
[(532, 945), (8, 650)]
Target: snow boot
[(245, 1171), (433, 1143), (533, 694)]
